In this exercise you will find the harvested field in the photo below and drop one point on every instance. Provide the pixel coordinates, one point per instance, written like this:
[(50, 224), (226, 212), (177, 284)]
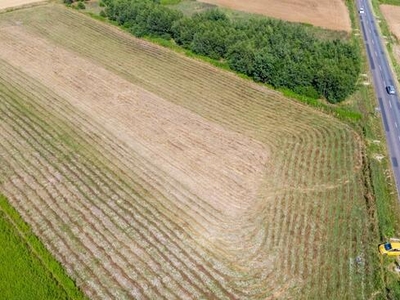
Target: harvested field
[(13, 3), (151, 175), (392, 15), (329, 14)]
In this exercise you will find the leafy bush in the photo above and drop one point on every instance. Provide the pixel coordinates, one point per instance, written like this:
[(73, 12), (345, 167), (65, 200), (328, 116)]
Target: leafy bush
[(81, 5)]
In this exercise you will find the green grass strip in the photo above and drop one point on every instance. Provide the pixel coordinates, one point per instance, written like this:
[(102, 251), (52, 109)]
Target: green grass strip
[(27, 269), (392, 2), (169, 2)]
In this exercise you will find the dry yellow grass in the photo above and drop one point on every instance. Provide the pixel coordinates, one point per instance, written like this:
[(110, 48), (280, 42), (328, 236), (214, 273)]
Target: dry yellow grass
[(329, 14)]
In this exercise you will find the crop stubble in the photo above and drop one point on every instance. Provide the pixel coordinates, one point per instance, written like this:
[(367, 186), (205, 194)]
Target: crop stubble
[(150, 175)]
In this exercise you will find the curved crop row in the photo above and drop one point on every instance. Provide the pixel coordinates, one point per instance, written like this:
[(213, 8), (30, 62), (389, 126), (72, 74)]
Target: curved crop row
[(119, 209)]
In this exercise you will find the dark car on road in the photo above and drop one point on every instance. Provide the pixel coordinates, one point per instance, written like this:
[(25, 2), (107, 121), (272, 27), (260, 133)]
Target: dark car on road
[(390, 90)]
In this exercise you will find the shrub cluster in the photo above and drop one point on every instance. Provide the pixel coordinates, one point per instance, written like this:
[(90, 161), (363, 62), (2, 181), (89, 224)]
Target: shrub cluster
[(79, 3), (279, 53)]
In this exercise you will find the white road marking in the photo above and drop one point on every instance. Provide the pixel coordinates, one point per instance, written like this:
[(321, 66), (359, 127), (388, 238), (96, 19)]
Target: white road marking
[(390, 104), (398, 137), (380, 68), (395, 124), (373, 42), (376, 54)]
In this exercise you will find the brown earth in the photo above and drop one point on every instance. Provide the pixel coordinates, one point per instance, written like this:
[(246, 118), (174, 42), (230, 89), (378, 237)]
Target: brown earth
[(329, 14), (13, 3), (392, 15)]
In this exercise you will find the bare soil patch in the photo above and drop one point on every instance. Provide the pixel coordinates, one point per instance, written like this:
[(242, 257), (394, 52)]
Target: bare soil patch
[(329, 14), (14, 3)]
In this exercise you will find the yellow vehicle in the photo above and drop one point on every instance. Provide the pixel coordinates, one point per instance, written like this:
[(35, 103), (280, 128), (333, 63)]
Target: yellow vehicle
[(390, 248)]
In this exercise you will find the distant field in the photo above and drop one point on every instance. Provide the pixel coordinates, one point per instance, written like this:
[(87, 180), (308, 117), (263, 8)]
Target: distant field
[(329, 14), (12, 3), (151, 175), (392, 15)]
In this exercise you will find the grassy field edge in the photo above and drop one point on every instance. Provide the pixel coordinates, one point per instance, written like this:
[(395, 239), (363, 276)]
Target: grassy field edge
[(38, 251)]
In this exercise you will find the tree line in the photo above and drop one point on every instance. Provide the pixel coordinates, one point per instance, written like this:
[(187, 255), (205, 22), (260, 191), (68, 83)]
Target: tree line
[(279, 53)]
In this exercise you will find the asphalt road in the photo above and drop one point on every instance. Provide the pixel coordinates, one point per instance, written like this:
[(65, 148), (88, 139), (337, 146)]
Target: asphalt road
[(382, 76)]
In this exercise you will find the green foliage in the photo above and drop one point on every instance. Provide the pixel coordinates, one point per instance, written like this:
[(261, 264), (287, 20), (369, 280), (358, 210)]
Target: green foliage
[(241, 57), (27, 269), (81, 5), (391, 2), (270, 51), (170, 2), (142, 17)]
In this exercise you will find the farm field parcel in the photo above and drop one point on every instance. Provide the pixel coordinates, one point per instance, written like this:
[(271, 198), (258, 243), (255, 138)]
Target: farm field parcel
[(12, 3), (392, 15), (330, 14), (151, 175)]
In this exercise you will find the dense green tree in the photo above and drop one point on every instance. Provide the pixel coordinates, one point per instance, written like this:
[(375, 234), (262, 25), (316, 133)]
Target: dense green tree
[(241, 58), (183, 31), (211, 40), (160, 20), (264, 66)]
